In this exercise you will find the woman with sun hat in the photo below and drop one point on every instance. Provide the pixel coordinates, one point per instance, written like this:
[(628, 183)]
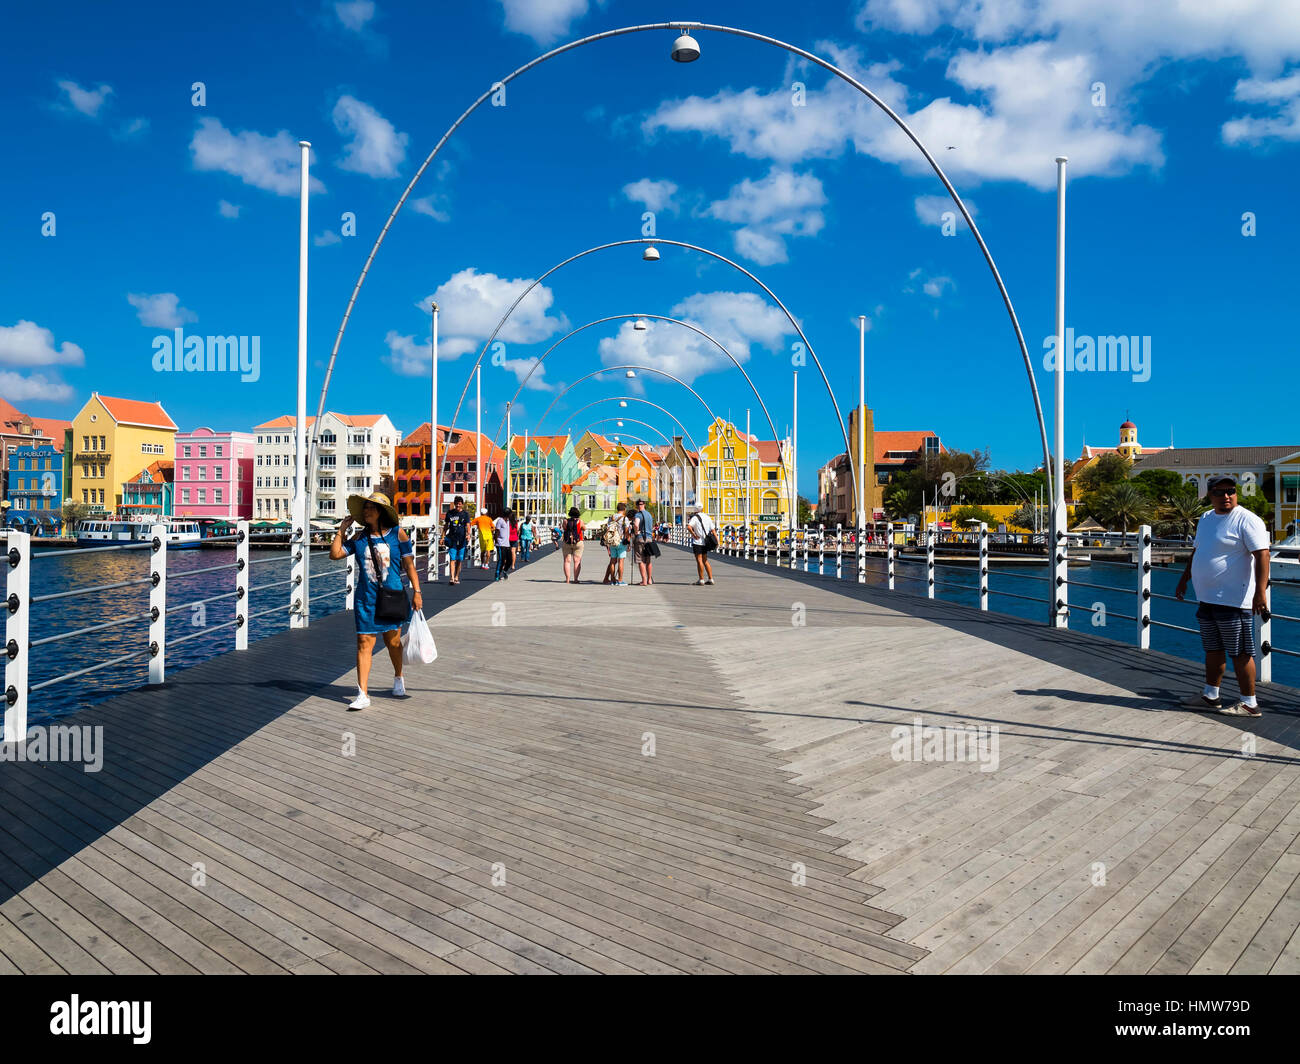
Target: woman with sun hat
[(383, 552)]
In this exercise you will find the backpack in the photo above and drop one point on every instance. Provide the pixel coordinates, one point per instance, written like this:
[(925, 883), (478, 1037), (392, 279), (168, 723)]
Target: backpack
[(613, 535), (571, 530)]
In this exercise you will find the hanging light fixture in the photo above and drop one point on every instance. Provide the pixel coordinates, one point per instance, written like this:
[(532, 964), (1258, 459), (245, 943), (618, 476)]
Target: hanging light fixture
[(650, 254), (685, 49)]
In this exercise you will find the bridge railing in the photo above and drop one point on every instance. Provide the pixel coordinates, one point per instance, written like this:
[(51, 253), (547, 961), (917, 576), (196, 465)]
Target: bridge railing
[(23, 577), (971, 552)]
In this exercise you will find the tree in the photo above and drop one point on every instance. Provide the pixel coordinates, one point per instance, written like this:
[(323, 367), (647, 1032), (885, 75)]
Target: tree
[(1123, 505), (1108, 471), (805, 511), (1181, 511), (961, 517), (1256, 503), (1023, 517), (1159, 484), (70, 514)]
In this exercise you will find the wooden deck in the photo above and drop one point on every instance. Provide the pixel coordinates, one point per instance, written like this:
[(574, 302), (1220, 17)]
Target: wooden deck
[(508, 817)]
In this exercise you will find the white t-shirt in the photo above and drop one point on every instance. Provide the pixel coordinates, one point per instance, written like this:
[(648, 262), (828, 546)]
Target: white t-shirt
[(700, 525), (503, 531), (1223, 571)]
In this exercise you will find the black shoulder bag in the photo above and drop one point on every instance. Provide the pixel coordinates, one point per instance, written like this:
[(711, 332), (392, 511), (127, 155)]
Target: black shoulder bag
[(391, 603)]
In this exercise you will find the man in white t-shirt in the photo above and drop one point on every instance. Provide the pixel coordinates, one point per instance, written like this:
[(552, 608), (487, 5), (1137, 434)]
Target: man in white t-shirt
[(1229, 570), (699, 526)]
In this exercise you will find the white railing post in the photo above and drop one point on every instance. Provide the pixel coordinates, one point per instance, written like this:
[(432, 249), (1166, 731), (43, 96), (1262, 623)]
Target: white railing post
[(929, 560), (862, 555), (1061, 577), (1264, 673), (1144, 588), (431, 567), (839, 551), (241, 585), (821, 548), (158, 604), (984, 566), (18, 551), (889, 553), (299, 551), (351, 597)]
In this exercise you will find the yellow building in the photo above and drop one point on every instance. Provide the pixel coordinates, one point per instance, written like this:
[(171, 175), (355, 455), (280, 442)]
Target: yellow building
[(112, 440), (744, 480)]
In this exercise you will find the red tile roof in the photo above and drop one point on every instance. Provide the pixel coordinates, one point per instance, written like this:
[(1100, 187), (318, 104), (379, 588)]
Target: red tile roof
[(420, 437), (136, 412), (544, 443), (909, 441)]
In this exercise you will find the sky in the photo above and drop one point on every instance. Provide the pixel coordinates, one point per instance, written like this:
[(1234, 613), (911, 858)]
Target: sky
[(152, 184)]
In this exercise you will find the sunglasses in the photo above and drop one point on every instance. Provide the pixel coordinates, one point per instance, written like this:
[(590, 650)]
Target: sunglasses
[(1217, 492)]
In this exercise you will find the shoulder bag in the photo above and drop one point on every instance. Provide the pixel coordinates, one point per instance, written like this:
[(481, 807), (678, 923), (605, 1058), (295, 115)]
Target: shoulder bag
[(391, 603)]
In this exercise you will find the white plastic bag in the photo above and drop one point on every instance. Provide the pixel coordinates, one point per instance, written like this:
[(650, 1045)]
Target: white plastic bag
[(417, 642)]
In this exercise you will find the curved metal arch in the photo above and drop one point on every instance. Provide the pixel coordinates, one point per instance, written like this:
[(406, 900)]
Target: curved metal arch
[(635, 399), (610, 369), (633, 421), (749, 35)]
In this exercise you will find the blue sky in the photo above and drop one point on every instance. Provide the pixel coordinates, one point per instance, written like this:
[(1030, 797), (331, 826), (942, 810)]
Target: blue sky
[(1178, 118)]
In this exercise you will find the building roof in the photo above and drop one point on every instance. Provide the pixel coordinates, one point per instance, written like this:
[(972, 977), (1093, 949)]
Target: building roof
[(1221, 457), (136, 412), (544, 443), (464, 447), (769, 451), (420, 437), (355, 421), (911, 441), (52, 426), (287, 421)]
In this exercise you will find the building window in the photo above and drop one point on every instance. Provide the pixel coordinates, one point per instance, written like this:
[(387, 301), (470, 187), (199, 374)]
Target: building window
[(185, 494), (771, 474), (85, 443), (188, 451), (203, 451), (216, 450), (216, 495), (185, 472), (771, 504), (102, 445), (216, 473), (729, 454)]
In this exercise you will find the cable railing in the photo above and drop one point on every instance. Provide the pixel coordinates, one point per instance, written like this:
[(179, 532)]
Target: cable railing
[(20, 602), (792, 548)]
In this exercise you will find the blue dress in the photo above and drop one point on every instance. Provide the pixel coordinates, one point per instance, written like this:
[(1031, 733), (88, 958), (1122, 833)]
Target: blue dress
[(392, 551)]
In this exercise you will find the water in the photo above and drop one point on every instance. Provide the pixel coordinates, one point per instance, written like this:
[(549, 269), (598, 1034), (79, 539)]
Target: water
[(71, 571), (960, 584)]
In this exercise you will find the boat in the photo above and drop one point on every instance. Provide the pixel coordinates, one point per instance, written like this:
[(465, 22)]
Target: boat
[(108, 531), (1284, 560)]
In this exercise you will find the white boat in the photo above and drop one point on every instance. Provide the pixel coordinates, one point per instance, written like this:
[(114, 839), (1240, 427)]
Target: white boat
[(1284, 560), (105, 532)]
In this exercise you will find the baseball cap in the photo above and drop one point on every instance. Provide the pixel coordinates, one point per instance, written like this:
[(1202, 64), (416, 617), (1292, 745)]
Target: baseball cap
[(1221, 482)]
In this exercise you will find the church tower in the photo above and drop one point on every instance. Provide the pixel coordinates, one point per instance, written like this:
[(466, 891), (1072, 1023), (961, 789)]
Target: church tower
[(1128, 441)]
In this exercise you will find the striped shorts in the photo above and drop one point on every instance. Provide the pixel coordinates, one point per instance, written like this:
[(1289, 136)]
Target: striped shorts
[(1226, 629)]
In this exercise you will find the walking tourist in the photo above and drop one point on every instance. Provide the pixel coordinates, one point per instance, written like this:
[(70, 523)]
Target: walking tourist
[(701, 528), (1229, 571), (571, 546), (486, 540), (643, 544), (514, 538), (616, 539), (527, 533), (383, 552), (455, 532), (505, 556)]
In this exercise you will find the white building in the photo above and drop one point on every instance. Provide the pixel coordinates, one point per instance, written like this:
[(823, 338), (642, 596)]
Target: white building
[(355, 451)]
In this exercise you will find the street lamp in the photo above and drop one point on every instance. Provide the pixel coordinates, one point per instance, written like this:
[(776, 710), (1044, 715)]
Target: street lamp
[(685, 49), (650, 254), (639, 325), (622, 403)]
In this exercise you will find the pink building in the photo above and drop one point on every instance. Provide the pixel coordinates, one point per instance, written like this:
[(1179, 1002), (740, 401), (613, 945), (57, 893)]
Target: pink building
[(214, 474)]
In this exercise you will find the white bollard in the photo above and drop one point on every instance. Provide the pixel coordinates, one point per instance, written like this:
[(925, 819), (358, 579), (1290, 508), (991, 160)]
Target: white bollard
[(929, 560), (18, 551), (984, 566), (889, 553), (241, 585), (158, 604), (1144, 588), (862, 555), (821, 548), (839, 552)]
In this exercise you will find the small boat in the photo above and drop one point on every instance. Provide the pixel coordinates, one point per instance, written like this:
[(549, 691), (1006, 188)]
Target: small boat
[(105, 532), (1284, 560)]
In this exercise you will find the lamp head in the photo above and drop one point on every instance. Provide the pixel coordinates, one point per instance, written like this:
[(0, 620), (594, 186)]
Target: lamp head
[(650, 254), (685, 49), (630, 374), (639, 325)]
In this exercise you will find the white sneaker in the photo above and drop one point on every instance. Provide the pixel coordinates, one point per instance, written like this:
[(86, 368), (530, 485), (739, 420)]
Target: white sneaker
[(362, 701), (399, 688)]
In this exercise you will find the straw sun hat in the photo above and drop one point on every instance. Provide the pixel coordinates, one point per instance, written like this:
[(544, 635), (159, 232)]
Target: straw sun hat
[(357, 503)]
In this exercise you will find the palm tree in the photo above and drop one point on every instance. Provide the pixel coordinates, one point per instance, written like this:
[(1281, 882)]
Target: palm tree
[(1182, 511), (1123, 504)]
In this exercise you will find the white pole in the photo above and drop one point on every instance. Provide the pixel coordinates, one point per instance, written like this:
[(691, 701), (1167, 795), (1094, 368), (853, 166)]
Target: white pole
[(744, 483), (506, 488), (478, 441), (435, 469), (1060, 597), (862, 424), (793, 502), (528, 500), (301, 537)]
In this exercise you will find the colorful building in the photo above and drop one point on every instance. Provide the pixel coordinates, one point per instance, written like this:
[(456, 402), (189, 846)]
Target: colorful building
[(595, 493), (214, 475), (34, 489), (678, 480), (111, 440), (745, 480), (151, 492), (891, 453), (416, 472), (539, 474), (461, 475)]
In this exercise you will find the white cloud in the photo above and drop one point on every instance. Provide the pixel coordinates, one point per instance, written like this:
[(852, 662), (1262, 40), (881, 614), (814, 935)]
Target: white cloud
[(933, 285), (472, 303), (88, 102), (269, 163), (16, 387), (425, 205), (542, 20), (780, 205), (160, 311), (28, 344), (1031, 103), (132, 130), (653, 195), (228, 210), (355, 14), (737, 320), (931, 209), (327, 238), (1280, 96), (408, 358), (375, 148)]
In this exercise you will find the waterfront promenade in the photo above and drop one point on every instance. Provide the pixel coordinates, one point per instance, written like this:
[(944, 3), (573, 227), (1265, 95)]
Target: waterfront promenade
[(509, 816)]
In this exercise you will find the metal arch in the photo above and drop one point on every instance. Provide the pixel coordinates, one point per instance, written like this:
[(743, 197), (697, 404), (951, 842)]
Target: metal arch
[(635, 399), (610, 369), (749, 35), (634, 421)]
